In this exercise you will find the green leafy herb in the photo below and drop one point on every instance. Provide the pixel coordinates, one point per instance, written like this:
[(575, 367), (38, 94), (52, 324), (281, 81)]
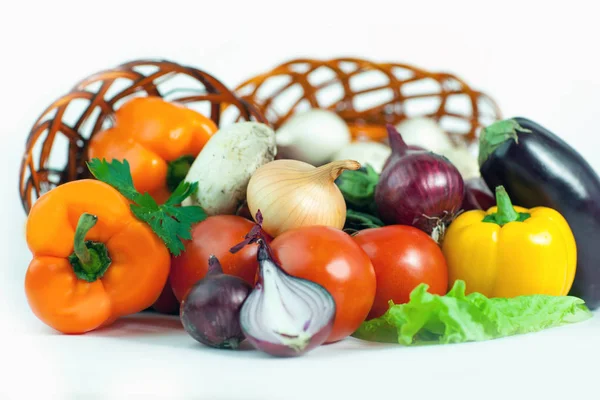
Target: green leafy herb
[(456, 317), (356, 221), (171, 222), (358, 187)]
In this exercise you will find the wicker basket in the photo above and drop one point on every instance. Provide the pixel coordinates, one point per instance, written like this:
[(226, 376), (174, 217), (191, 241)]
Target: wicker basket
[(56, 149), (369, 95)]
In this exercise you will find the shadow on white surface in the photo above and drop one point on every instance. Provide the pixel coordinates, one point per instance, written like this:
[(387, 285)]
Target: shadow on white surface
[(141, 326), (164, 330)]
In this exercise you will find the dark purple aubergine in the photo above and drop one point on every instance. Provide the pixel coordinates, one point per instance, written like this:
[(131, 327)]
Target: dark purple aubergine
[(537, 168), (478, 195), (210, 312), (418, 188)]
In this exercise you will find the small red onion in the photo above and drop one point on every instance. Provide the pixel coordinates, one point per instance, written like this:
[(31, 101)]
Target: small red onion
[(418, 188), (478, 195), (394, 156), (284, 315), (210, 311)]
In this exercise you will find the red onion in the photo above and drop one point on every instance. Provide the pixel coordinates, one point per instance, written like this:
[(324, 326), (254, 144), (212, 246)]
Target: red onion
[(210, 310), (284, 315), (478, 195), (394, 156), (418, 188)]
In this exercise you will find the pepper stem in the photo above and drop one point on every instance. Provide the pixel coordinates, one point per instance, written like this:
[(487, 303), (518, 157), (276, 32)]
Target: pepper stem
[(90, 260), (506, 212), (177, 170), (86, 222)]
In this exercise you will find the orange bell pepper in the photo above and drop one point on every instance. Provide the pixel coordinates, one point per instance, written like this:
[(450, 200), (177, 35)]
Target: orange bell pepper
[(159, 139), (99, 254)]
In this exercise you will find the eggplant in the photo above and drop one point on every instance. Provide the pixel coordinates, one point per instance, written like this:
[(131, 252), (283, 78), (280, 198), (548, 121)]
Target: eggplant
[(537, 168)]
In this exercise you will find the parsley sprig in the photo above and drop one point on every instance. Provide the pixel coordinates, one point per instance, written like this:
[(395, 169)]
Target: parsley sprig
[(170, 221)]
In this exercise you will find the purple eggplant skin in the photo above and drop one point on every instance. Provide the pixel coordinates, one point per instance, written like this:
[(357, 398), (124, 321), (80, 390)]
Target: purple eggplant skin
[(543, 170), (211, 309), (477, 195)]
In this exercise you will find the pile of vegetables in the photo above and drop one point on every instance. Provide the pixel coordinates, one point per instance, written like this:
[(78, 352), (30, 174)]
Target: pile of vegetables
[(297, 238)]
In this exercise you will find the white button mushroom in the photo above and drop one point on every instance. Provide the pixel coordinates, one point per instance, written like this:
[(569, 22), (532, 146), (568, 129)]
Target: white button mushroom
[(226, 163), (365, 152)]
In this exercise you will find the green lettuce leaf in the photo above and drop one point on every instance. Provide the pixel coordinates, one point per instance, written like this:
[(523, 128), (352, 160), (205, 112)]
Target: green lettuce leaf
[(455, 317)]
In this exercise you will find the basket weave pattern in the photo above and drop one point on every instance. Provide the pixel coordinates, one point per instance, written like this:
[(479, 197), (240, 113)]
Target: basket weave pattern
[(88, 108), (369, 95)]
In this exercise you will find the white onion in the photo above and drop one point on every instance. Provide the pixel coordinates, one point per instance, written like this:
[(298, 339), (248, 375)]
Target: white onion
[(365, 152), (426, 133), (464, 161), (312, 136)]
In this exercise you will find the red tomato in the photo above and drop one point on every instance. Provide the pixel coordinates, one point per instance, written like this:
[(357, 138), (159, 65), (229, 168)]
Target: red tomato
[(215, 235), (403, 257), (332, 259), (166, 303)]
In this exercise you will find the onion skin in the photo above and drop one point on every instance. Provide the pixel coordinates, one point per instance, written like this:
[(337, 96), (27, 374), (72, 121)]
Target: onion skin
[(418, 188), (292, 194), (478, 195), (279, 350), (334, 260), (253, 324), (210, 310), (394, 157)]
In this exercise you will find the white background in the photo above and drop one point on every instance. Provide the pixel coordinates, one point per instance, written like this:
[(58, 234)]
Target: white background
[(537, 60)]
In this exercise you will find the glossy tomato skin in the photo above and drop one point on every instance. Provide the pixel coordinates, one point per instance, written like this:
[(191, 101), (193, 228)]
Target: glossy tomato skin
[(403, 257), (215, 235), (332, 259), (167, 303)]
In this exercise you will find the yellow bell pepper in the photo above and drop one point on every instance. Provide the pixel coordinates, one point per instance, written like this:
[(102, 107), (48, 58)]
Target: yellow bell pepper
[(510, 251)]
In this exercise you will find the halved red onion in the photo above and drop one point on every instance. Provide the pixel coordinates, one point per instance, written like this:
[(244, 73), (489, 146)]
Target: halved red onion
[(285, 315)]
